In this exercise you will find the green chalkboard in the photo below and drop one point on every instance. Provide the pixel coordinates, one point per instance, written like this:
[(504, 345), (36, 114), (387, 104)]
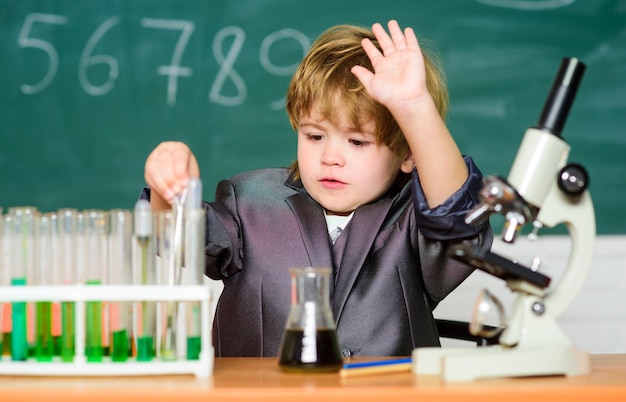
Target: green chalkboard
[(89, 87)]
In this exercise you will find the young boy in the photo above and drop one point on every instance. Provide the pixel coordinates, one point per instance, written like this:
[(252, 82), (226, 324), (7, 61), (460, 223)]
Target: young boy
[(375, 160)]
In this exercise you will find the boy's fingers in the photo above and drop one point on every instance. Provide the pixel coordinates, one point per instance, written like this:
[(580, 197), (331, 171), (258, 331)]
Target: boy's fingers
[(161, 187), (194, 169), (372, 51), (385, 42), (153, 177), (180, 164), (363, 75), (168, 169), (397, 36), (411, 38), (161, 177)]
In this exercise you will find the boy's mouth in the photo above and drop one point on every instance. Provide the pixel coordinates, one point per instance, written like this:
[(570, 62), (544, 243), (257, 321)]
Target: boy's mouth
[(332, 182)]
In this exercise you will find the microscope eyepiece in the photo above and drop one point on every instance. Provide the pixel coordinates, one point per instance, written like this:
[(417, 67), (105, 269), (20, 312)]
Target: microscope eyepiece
[(561, 96)]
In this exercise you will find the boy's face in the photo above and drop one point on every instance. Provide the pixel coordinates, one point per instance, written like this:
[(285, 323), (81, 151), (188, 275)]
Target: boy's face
[(342, 168)]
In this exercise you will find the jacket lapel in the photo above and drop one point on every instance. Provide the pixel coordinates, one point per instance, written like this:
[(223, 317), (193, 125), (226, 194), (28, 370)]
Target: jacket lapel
[(362, 231), (313, 229)]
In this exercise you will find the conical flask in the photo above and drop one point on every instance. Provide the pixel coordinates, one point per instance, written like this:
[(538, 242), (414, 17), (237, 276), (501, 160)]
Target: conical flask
[(309, 343)]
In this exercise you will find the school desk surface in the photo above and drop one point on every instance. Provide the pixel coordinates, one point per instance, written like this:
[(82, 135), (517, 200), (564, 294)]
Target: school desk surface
[(260, 379)]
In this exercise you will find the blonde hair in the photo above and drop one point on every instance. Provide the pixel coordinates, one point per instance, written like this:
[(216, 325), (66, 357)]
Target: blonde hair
[(324, 79)]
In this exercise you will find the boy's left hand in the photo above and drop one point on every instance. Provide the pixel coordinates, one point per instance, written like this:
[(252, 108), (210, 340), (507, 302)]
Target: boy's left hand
[(398, 79)]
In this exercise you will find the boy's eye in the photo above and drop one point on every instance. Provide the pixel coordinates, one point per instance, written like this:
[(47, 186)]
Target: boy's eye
[(314, 137), (359, 143)]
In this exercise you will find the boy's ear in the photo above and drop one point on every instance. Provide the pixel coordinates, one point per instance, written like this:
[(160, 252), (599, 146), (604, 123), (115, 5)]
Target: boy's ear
[(407, 164)]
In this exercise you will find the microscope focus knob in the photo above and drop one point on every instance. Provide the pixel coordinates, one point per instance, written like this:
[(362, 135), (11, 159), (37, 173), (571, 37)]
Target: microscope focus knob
[(573, 179)]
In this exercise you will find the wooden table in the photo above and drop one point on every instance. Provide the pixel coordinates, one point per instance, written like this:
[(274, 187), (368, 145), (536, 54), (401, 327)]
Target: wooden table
[(260, 379)]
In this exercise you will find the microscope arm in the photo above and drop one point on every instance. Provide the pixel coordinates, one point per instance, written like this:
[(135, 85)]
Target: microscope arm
[(577, 214)]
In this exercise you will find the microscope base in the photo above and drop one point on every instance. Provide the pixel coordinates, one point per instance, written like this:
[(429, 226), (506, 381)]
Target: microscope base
[(462, 364)]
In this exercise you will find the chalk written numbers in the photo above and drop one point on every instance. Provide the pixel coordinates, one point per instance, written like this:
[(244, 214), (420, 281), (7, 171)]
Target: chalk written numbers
[(38, 32)]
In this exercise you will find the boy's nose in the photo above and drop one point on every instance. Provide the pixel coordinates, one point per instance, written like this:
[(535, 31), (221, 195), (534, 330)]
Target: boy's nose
[(332, 155)]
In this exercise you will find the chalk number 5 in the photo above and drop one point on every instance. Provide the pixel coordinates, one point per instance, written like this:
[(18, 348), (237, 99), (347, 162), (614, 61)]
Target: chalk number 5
[(25, 41)]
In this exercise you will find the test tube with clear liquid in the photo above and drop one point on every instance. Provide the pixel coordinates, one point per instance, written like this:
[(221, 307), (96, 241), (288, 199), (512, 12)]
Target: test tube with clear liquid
[(120, 274), (144, 273)]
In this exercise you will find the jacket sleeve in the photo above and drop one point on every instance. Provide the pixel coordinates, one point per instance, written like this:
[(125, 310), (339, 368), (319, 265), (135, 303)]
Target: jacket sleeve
[(224, 254), (447, 221), (443, 226)]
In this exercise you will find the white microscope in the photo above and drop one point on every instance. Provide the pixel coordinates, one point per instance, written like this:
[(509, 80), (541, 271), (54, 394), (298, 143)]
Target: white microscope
[(544, 190)]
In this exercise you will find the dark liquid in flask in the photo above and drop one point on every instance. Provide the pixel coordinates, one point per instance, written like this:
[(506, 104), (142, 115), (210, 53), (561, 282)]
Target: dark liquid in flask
[(315, 351)]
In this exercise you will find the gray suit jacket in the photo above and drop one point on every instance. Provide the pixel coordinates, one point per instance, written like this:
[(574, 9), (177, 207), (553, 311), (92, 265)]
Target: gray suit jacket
[(391, 277)]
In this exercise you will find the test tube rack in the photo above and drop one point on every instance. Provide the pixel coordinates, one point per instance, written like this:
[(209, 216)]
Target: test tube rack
[(81, 294)]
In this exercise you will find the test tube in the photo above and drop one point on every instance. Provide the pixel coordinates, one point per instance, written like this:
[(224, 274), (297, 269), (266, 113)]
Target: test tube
[(57, 275), (24, 233), (194, 257), (9, 259), (5, 265), (167, 310), (120, 274), (96, 233), (68, 249), (144, 273), (44, 344)]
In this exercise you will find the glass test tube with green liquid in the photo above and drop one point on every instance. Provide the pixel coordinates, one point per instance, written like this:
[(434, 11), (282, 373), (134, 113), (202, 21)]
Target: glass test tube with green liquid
[(45, 266), (167, 310), (194, 235), (23, 238), (56, 279), (70, 248), (120, 274), (193, 328), (144, 267), (5, 265), (96, 252), (5, 328)]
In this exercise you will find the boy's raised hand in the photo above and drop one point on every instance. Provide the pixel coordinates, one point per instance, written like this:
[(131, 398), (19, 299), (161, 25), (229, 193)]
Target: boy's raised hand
[(398, 79), (168, 170)]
